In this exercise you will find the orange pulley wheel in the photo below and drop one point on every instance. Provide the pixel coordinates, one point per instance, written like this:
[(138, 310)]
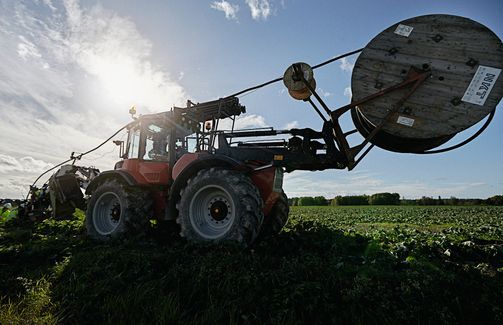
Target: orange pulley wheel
[(294, 80)]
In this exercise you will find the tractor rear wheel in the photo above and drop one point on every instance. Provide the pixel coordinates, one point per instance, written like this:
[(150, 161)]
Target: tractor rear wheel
[(115, 210), (219, 204), (277, 218)]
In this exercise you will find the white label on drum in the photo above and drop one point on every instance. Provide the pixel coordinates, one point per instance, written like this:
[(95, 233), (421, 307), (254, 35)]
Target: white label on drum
[(405, 121), (481, 85), (403, 30)]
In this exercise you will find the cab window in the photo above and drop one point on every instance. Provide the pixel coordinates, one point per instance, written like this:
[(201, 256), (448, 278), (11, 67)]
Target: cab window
[(134, 144), (156, 143)]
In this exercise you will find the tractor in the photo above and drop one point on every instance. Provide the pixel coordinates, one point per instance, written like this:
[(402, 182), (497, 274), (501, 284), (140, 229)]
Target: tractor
[(215, 184)]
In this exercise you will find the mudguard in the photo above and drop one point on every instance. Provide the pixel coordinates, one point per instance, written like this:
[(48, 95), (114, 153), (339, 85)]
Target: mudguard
[(109, 174)]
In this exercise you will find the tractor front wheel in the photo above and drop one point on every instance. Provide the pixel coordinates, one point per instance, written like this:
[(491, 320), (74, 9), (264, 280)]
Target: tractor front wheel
[(219, 204), (114, 210)]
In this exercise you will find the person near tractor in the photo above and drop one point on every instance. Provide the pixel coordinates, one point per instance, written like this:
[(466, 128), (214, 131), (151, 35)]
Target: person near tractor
[(6, 212), (159, 147)]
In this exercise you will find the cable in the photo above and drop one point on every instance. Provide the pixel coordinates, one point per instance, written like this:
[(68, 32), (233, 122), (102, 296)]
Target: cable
[(31, 186), (255, 87), (101, 144), (233, 95), (336, 58), (475, 135), (470, 139), (76, 158), (281, 78)]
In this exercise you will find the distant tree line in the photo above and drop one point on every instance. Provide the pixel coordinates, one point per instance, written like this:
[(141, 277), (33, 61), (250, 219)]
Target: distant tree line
[(389, 199), (374, 199), (426, 200), (309, 201), (350, 200)]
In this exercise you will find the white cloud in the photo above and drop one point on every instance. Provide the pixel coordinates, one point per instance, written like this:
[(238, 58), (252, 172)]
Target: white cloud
[(260, 9), (330, 183), (250, 121), (110, 48), (27, 50), (346, 65), (333, 182), (347, 92), (24, 164), (417, 189), (324, 93), (247, 121), (229, 9), (49, 4), (69, 75), (291, 125), (15, 187)]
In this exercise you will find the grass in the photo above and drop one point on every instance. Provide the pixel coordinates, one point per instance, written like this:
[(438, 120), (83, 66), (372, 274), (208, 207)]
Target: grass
[(329, 265)]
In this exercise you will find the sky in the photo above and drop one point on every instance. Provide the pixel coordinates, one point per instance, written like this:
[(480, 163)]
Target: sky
[(70, 70)]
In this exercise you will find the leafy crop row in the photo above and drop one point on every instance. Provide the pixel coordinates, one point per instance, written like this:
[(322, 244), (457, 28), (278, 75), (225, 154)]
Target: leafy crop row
[(329, 265)]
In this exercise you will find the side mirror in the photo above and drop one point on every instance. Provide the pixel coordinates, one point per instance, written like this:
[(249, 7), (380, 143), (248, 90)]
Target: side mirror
[(120, 144)]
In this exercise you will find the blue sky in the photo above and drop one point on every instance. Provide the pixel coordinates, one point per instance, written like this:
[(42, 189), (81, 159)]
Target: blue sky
[(70, 70)]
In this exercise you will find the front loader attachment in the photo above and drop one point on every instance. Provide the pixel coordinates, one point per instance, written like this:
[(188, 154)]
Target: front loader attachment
[(60, 195), (66, 189)]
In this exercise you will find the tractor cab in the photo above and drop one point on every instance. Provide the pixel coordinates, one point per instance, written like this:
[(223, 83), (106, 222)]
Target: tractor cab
[(155, 142)]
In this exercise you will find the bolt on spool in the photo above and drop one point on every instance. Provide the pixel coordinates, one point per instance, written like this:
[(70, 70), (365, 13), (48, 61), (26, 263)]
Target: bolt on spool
[(295, 79)]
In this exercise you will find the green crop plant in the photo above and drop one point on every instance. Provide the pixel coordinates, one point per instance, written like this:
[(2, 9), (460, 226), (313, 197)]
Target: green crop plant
[(342, 264)]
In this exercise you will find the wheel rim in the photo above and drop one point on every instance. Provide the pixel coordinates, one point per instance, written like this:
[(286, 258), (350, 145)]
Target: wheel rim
[(107, 213), (212, 212)]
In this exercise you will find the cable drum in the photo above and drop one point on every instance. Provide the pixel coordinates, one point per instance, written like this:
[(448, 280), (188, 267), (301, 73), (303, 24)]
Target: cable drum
[(463, 59), (394, 143)]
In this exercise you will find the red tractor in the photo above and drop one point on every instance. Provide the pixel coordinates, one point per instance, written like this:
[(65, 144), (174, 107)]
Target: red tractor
[(176, 169)]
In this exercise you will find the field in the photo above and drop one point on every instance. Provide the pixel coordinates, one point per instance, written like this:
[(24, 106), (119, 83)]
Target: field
[(329, 265)]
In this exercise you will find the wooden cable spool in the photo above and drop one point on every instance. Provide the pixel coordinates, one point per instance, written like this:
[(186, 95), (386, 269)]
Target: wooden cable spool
[(463, 59)]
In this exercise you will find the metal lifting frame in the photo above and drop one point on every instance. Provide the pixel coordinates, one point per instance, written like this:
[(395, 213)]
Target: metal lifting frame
[(414, 78)]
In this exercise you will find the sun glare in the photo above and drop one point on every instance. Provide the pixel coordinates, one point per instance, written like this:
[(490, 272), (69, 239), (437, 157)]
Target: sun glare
[(126, 82)]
